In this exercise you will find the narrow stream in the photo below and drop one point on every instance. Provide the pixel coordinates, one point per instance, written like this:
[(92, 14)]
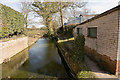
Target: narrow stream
[(40, 61)]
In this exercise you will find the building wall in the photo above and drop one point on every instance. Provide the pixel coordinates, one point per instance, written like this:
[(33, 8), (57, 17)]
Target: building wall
[(118, 53), (10, 48), (103, 48)]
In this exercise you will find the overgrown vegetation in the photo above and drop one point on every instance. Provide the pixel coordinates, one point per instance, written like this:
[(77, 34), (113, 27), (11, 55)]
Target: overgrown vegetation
[(12, 22), (74, 53), (68, 33)]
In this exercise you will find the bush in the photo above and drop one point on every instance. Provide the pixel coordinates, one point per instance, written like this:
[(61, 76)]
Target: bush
[(79, 46), (68, 33)]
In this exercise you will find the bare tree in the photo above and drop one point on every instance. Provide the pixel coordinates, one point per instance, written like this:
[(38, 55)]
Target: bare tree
[(76, 5), (48, 9), (70, 5), (26, 9)]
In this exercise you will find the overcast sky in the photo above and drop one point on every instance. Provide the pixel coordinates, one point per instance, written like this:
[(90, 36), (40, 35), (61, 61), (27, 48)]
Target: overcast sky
[(98, 6)]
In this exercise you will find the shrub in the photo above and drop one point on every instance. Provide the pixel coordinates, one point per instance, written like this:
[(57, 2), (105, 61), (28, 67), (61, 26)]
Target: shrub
[(68, 33), (79, 46)]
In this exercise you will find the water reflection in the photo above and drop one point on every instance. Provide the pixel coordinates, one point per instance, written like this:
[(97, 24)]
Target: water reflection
[(43, 61)]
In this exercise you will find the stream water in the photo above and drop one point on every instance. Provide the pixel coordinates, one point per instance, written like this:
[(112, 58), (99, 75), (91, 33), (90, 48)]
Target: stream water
[(40, 61)]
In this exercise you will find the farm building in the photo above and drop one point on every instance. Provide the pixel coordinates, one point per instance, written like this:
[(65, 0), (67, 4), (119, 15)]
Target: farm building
[(102, 39)]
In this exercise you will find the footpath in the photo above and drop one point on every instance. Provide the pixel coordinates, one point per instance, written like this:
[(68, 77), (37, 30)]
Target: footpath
[(100, 74)]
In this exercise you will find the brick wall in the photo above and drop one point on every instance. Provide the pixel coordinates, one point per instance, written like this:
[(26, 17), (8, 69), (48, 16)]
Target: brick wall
[(106, 43), (118, 54), (10, 48)]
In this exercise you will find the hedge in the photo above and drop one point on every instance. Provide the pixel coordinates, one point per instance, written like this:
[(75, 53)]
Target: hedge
[(12, 22)]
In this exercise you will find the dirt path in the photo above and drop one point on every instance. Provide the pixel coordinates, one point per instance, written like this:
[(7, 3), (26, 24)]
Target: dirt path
[(102, 75)]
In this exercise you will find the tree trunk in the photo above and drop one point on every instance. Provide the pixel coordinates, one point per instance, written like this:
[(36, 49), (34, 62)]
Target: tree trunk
[(26, 24), (61, 16)]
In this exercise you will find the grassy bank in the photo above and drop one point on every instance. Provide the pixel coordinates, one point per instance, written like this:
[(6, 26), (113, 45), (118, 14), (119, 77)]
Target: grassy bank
[(79, 67)]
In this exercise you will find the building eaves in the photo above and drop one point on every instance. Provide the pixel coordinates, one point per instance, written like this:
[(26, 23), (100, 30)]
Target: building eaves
[(102, 14)]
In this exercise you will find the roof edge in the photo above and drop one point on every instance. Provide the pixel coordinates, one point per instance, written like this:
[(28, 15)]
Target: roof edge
[(102, 14)]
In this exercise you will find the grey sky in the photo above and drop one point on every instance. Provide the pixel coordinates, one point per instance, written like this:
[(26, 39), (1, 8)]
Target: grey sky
[(102, 5), (98, 6)]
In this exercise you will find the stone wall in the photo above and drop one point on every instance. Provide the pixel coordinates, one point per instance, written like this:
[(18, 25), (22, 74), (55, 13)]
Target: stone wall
[(10, 48), (106, 43)]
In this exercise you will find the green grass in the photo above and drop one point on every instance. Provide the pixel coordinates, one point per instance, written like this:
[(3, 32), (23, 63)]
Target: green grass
[(85, 72)]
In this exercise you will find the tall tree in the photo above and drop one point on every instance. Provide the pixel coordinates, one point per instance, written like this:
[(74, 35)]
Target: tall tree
[(47, 9)]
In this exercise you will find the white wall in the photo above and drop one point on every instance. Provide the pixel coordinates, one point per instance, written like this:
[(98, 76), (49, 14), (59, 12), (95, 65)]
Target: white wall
[(10, 48)]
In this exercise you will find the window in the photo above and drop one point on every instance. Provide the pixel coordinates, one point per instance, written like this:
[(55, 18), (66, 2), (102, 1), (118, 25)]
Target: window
[(79, 31), (92, 32)]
